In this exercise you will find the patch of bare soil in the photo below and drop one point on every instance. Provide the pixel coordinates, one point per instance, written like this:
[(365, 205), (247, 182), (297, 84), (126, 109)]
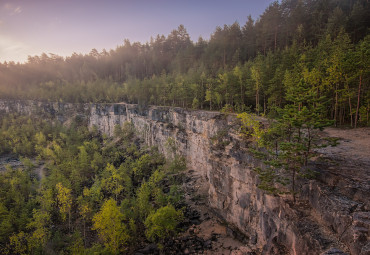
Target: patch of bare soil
[(9, 160), (350, 159), (15, 162), (346, 166), (354, 144)]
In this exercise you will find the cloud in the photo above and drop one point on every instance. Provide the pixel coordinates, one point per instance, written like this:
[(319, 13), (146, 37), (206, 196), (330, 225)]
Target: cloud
[(12, 9), (17, 10), (11, 49), (7, 44), (7, 6)]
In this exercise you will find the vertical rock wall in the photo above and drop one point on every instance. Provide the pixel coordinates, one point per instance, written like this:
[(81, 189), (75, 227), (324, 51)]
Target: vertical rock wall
[(322, 221)]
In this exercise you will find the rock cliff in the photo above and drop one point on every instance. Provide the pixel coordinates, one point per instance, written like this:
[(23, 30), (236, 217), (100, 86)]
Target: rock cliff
[(331, 217)]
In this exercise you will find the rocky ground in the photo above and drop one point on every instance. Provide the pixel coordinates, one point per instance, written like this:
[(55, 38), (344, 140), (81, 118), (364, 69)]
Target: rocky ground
[(354, 144), (205, 232), (9, 160), (220, 238), (14, 162), (349, 162), (208, 234)]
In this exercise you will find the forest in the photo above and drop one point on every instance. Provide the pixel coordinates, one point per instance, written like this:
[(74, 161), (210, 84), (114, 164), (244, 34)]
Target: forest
[(305, 64), (324, 44), (78, 192)]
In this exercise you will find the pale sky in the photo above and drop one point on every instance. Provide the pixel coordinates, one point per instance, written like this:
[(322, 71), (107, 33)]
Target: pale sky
[(31, 27)]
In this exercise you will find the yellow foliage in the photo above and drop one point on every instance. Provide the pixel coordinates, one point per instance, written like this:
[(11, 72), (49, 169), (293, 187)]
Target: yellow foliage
[(64, 200), (111, 229)]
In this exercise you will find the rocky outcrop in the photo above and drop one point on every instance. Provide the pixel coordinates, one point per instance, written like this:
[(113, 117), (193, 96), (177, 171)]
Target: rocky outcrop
[(331, 217)]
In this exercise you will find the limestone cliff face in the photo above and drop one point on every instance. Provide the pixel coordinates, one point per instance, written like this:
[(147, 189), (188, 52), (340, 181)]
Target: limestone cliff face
[(324, 221)]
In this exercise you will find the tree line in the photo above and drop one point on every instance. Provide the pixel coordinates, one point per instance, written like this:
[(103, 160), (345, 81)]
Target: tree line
[(240, 68)]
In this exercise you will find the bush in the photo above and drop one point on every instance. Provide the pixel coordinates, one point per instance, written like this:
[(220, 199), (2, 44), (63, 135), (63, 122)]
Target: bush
[(162, 223)]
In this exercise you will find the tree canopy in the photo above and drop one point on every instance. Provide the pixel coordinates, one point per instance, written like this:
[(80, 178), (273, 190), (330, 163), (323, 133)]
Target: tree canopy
[(244, 66)]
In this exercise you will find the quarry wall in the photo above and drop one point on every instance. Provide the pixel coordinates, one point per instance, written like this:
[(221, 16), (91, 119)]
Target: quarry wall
[(324, 221)]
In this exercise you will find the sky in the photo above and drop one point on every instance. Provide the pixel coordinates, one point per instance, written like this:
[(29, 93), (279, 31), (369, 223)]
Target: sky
[(62, 27)]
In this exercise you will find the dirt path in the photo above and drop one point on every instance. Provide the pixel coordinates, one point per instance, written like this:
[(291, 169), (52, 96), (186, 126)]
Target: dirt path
[(40, 171)]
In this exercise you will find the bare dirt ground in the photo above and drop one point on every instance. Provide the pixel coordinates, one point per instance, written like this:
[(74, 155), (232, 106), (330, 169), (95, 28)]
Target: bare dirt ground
[(14, 162), (354, 144), (351, 157), (9, 160)]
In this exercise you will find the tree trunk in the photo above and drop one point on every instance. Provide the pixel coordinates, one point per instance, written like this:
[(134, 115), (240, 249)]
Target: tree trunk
[(308, 147), (358, 100), (226, 95), (336, 104), (350, 109), (293, 185), (85, 233), (69, 220), (276, 148), (201, 100), (257, 102), (241, 94), (275, 38)]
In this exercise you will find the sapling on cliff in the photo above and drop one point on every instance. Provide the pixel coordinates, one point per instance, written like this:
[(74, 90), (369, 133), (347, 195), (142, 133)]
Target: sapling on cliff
[(288, 143)]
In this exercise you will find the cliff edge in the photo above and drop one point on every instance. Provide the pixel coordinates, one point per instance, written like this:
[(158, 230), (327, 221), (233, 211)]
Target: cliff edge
[(332, 213)]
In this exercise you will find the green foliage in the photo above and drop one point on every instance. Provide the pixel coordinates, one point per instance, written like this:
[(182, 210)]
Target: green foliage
[(308, 77), (175, 196), (6, 227), (143, 198), (89, 188), (162, 223), (243, 66), (288, 143), (109, 224), (112, 181), (227, 109), (176, 162), (22, 135), (195, 104), (220, 140), (251, 127), (269, 179), (39, 225), (64, 199)]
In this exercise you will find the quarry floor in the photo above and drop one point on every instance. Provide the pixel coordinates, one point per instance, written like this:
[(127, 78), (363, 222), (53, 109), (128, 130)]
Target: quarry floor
[(350, 158), (354, 144)]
